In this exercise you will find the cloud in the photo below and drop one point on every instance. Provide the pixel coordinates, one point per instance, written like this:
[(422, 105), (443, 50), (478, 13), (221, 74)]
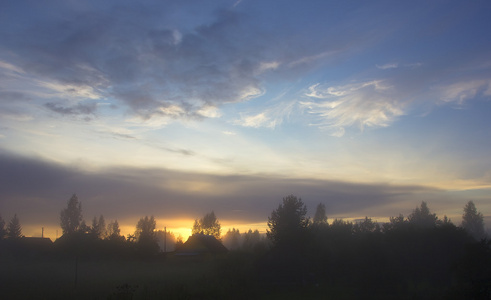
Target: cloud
[(388, 66), (270, 117), (266, 66), (460, 92), (229, 133), (37, 190), (366, 104), (9, 67), (119, 135), (311, 58), (168, 63), (16, 116), (79, 109), (20, 90), (256, 121), (155, 70)]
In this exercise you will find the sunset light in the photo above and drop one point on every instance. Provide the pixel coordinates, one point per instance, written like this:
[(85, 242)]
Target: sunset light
[(130, 121)]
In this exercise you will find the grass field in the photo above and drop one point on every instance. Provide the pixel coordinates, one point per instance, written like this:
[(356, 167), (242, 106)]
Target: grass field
[(227, 277), (169, 278)]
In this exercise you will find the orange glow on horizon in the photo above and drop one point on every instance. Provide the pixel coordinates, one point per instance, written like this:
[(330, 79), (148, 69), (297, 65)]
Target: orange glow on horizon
[(183, 226)]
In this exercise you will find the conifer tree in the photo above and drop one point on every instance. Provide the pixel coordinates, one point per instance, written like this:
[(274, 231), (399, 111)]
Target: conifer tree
[(288, 221), (320, 216), (71, 217), (14, 230), (3, 231), (473, 221)]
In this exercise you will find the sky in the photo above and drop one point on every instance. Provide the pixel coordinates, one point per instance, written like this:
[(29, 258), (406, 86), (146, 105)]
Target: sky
[(179, 108)]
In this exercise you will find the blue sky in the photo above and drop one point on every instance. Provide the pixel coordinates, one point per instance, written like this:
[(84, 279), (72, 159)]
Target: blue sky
[(200, 101)]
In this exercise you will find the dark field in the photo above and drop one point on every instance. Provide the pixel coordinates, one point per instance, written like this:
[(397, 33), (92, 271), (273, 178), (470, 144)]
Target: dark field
[(171, 278), (235, 275), (225, 277)]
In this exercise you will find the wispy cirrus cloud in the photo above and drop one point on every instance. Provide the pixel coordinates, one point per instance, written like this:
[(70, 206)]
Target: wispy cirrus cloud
[(462, 91), (311, 58), (256, 121), (395, 65), (388, 66), (366, 104), (19, 86), (270, 117)]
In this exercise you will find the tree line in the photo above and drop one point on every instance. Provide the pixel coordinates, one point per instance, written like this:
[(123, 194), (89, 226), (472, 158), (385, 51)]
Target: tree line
[(285, 222), (418, 256), (290, 219)]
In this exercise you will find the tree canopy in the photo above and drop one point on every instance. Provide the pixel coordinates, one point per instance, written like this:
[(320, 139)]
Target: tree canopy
[(145, 235), (113, 232), (145, 228), (288, 221), (98, 229), (71, 216), (473, 221), (422, 217), (14, 230), (208, 225), (3, 231), (366, 226), (320, 216)]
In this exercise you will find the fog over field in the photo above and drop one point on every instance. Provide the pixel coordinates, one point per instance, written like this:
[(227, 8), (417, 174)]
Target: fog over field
[(178, 108)]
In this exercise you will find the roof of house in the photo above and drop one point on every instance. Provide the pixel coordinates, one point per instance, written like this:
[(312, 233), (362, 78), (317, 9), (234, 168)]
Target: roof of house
[(201, 243)]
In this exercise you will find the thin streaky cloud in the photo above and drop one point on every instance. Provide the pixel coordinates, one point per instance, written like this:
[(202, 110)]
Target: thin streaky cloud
[(270, 117), (388, 66), (229, 132), (461, 92), (256, 121), (311, 58), (10, 67), (366, 104)]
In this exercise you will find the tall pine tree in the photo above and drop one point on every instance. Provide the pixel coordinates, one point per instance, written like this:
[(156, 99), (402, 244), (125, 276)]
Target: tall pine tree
[(14, 230)]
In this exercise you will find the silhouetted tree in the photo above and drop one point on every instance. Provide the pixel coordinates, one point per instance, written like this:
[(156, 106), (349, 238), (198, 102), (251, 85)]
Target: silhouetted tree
[(208, 225), (145, 234), (113, 232), (14, 230), (288, 221), (422, 217), (252, 241), (474, 270), (232, 239), (131, 238), (394, 223), (71, 217), (84, 228), (179, 243), (366, 226), (472, 221), (145, 228), (320, 216), (98, 229), (166, 240), (341, 227), (445, 222), (3, 231)]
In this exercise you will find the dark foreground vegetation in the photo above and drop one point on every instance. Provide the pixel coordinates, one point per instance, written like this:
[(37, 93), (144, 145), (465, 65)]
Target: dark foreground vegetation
[(414, 257)]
